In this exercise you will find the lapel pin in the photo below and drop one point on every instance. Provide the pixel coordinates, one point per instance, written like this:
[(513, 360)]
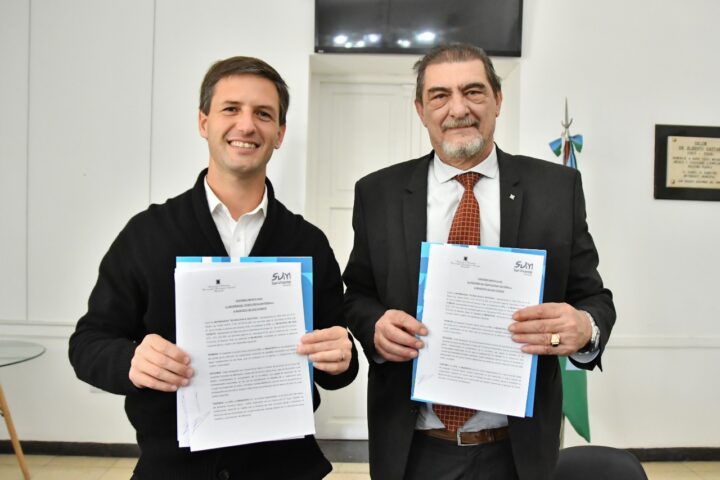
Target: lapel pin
[(512, 196)]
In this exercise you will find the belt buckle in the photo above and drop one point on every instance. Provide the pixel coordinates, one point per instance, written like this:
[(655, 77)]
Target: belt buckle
[(460, 442)]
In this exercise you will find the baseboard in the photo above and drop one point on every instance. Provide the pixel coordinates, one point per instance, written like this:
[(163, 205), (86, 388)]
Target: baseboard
[(87, 449), (685, 454), (347, 451)]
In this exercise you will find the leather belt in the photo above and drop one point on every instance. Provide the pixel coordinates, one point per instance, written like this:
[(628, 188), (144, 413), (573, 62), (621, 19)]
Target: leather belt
[(491, 435)]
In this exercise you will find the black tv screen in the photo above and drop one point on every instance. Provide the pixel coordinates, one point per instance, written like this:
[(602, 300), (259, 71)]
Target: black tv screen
[(415, 26)]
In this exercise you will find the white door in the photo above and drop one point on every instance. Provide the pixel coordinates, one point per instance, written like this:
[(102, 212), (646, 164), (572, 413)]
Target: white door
[(356, 127)]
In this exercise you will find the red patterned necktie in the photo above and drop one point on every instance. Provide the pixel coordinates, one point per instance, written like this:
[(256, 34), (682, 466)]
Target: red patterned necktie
[(465, 230)]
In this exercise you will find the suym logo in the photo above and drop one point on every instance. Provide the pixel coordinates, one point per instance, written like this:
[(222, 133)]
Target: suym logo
[(281, 278), (523, 267)]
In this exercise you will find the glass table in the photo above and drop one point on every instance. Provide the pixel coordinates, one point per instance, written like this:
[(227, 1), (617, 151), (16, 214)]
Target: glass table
[(13, 352)]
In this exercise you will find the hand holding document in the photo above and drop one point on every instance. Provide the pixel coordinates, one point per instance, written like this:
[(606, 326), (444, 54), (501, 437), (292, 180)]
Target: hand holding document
[(466, 299), (240, 323)]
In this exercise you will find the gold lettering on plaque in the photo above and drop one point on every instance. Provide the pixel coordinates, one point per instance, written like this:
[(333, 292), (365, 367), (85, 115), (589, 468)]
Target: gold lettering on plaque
[(693, 162)]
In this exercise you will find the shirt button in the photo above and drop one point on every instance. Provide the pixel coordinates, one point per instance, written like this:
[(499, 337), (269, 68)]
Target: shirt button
[(223, 475)]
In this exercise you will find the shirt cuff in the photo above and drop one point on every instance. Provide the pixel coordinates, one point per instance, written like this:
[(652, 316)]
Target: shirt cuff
[(586, 357)]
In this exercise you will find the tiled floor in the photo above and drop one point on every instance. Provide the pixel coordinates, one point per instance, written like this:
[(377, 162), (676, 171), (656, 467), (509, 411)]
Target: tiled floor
[(46, 467)]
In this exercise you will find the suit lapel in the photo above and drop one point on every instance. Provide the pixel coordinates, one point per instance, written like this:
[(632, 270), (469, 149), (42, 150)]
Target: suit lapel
[(415, 208), (415, 215), (511, 198)]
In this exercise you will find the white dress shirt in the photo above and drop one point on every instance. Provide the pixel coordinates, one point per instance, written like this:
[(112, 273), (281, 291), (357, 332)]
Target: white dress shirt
[(237, 236), (444, 195)]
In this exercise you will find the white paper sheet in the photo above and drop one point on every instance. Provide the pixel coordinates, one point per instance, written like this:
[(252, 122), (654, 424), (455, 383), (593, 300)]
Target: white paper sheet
[(240, 324), (466, 302)]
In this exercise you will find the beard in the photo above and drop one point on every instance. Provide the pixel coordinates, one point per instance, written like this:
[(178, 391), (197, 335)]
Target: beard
[(463, 150), (466, 149)]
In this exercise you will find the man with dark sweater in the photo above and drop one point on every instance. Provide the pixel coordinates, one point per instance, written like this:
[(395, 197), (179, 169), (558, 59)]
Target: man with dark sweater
[(124, 343)]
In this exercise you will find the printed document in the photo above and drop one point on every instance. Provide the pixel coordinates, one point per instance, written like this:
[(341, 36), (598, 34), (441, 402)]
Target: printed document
[(240, 323), (467, 295)]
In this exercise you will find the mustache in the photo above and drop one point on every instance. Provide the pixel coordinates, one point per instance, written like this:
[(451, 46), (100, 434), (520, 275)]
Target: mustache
[(459, 123)]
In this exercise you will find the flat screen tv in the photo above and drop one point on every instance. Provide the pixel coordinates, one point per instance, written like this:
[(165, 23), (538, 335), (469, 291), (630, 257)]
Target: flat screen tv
[(415, 26)]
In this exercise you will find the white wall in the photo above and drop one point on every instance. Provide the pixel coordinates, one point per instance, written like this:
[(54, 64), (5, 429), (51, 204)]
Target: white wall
[(626, 66), (100, 118), (100, 103)]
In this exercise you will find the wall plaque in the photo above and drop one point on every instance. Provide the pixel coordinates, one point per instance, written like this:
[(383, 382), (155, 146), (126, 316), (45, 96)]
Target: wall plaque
[(687, 162)]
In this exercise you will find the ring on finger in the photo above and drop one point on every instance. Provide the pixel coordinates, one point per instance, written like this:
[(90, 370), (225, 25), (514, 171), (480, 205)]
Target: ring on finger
[(554, 339)]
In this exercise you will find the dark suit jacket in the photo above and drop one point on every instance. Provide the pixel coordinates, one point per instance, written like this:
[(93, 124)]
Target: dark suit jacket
[(541, 206)]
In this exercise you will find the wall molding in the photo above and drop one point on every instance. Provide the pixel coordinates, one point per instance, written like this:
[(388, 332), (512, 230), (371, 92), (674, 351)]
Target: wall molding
[(21, 330), (664, 341), (28, 331)]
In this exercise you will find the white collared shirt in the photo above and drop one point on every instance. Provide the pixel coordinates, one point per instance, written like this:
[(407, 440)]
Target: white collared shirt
[(444, 195), (237, 236)]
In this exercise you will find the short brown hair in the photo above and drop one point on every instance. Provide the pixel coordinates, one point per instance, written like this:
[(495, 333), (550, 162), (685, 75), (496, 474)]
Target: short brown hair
[(452, 53), (243, 66)]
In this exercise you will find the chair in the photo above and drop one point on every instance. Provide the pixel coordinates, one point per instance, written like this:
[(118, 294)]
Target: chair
[(598, 463)]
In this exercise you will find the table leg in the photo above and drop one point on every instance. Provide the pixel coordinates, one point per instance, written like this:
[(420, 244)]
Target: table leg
[(5, 411)]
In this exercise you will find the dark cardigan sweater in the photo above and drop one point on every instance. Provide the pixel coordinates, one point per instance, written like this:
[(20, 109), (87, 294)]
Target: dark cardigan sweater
[(134, 296)]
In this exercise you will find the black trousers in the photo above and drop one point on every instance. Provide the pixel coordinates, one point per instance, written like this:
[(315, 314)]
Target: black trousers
[(435, 459)]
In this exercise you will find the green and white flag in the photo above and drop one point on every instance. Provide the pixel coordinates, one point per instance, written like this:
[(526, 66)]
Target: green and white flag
[(575, 402), (574, 380)]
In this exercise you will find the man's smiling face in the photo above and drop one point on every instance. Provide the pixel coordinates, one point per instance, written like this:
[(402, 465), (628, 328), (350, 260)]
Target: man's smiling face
[(459, 109), (242, 126)]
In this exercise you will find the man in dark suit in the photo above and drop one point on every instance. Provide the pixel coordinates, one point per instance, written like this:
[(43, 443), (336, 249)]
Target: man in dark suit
[(523, 202)]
